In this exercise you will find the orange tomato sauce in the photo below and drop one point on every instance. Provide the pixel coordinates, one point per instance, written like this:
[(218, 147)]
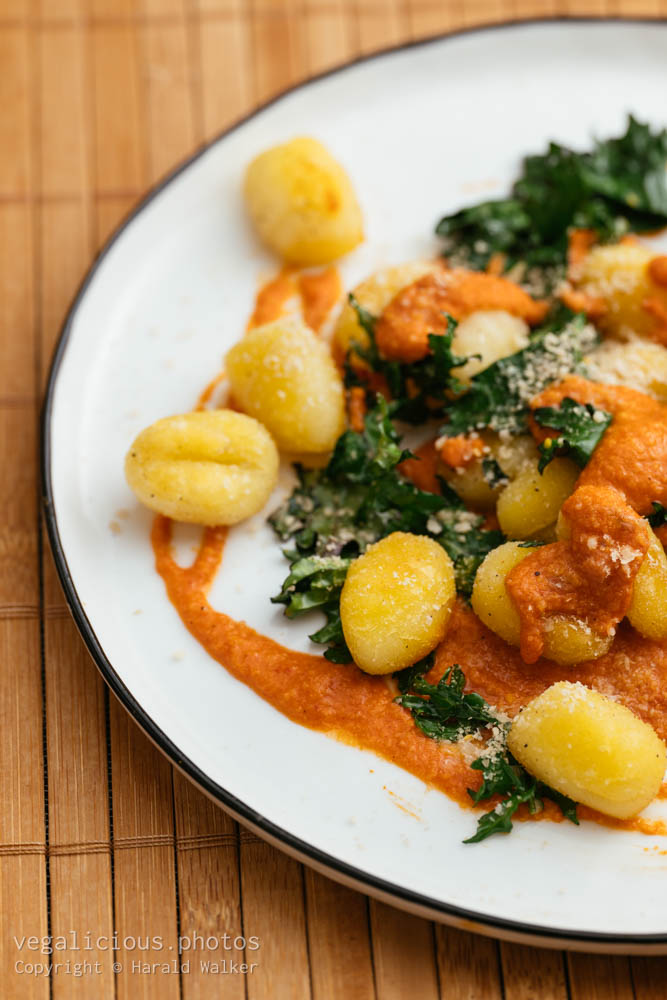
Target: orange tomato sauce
[(318, 292), (271, 299), (359, 709), (421, 308), (591, 575)]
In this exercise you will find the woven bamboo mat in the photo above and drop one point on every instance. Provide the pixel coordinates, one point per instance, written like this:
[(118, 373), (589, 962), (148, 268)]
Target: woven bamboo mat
[(98, 834)]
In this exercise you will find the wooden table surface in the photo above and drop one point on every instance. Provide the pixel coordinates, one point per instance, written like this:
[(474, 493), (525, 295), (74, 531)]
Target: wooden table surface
[(98, 834)]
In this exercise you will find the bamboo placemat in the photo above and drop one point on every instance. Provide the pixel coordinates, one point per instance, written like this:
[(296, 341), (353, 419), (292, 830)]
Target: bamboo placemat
[(98, 835)]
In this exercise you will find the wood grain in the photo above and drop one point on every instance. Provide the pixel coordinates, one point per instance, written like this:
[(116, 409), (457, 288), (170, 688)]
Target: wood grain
[(100, 98)]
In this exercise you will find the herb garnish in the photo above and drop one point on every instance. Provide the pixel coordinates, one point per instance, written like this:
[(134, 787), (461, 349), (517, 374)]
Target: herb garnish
[(618, 187), (499, 396), (421, 389), (582, 427), (444, 711), (335, 513)]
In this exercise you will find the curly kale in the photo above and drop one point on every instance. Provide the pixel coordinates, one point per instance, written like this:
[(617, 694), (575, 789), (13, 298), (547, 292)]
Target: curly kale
[(581, 428), (618, 187), (499, 396)]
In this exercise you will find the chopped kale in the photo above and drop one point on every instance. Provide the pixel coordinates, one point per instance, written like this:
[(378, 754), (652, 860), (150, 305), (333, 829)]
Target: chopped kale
[(444, 711), (335, 513), (582, 427), (499, 396), (461, 534), (658, 515), (492, 473), (407, 677), (618, 187), (502, 775), (419, 390)]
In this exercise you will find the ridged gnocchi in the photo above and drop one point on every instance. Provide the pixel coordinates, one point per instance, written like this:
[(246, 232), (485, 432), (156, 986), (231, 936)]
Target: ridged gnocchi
[(648, 609), (590, 748), (375, 294), (493, 334), (566, 640), (531, 502), (396, 602), (302, 203), (212, 467), (283, 375), (619, 276)]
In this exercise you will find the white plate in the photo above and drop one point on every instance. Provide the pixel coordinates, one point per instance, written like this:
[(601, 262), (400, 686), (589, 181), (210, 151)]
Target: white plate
[(422, 130)]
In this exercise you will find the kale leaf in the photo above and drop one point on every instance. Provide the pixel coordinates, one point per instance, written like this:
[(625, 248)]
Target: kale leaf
[(420, 389), (335, 513), (658, 515), (499, 396), (445, 711), (618, 187), (582, 427), (502, 775)]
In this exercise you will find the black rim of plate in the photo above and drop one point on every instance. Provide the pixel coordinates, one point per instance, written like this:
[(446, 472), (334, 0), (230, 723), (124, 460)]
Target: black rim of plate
[(496, 926)]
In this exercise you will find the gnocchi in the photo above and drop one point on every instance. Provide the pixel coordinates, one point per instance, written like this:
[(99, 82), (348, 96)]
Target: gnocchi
[(471, 482), (302, 203), (283, 375), (590, 748), (375, 294), (396, 602), (566, 640), (619, 275), (212, 467), (490, 600), (531, 502), (648, 609), (638, 364), (492, 334)]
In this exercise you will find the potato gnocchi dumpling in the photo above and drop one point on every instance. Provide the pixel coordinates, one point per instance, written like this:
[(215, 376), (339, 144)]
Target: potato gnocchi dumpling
[(490, 600), (493, 334), (619, 275), (396, 602), (589, 748), (212, 467), (569, 640), (472, 482), (566, 640), (302, 203), (283, 375), (638, 364), (648, 609), (531, 502), (375, 294)]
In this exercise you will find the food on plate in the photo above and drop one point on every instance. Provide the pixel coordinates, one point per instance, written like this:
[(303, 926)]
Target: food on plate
[(284, 375), (530, 503), (507, 568), (627, 288), (647, 611), (589, 748), (396, 602), (302, 203), (214, 467)]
